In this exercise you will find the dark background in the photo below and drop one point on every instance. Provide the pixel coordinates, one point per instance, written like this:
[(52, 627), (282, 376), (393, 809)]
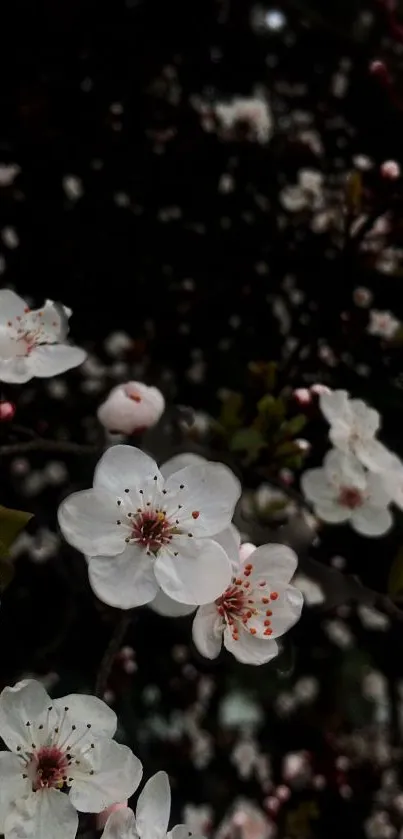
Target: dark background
[(87, 91)]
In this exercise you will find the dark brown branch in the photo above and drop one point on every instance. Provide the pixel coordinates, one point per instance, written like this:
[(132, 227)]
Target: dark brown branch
[(40, 444), (111, 651)]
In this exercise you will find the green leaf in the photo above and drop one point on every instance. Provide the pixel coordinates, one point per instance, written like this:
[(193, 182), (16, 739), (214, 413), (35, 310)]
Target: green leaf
[(230, 415), (266, 371), (11, 524), (250, 441), (288, 449), (271, 409), (294, 426), (395, 579)]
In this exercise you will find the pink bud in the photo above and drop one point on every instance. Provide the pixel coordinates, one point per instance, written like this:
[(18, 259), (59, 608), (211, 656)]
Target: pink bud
[(390, 169), (283, 792), (379, 69), (103, 817), (246, 550), (302, 395), (318, 389), (7, 411), (131, 407)]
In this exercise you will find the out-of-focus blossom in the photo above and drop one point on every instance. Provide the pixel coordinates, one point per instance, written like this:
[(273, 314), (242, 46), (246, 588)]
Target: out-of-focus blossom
[(310, 590), (362, 297), (382, 324), (32, 341), (254, 112), (142, 533), (342, 491), (353, 426), (390, 169), (7, 411), (131, 407), (307, 193), (246, 821), (8, 172), (257, 607)]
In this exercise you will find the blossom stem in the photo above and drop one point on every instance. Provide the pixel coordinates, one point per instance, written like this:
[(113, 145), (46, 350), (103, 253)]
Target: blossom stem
[(40, 444), (112, 649)]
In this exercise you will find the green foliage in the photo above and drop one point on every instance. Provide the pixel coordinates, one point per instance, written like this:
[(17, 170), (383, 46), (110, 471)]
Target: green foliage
[(11, 524)]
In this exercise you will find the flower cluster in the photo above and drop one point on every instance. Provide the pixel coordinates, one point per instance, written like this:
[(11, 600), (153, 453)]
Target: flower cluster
[(360, 477)]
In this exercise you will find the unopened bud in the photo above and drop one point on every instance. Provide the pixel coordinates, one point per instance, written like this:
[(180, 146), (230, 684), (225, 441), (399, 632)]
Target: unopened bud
[(7, 411), (390, 169)]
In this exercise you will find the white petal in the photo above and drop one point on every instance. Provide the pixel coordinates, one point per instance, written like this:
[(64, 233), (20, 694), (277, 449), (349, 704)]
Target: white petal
[(207, 631), (47, 814), (88, 521), (125, 467), (373, 454), (199, 574), (344, 470), (340, 437), (378, 493), (124, 581), (121, 825), (15, 371), (164, 605), (335, 406), (250, 650), (12, 784), (332, 512), (372, 521), (179, 461), (209, 489), (11, 306), (51, 320), (286, 610), (54, 359), (273, 562), (154, 807), (315, 485), (117, 774), (367, 419), (88, 709), (26, 702), (229, 539)]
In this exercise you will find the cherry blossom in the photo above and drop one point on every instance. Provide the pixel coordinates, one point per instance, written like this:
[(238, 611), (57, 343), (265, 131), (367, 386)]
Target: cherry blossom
[(343, 491), (61, 759), (382, 324), (256, 608), (152, 815), (353, 428), (32, 341), (142, 533), (131, 407), (253, 111)]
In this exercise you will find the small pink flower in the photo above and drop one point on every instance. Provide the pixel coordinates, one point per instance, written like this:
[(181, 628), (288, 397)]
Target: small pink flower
[(103, 817), (7, 411), (390, 169), (302, 395), (131, 407)]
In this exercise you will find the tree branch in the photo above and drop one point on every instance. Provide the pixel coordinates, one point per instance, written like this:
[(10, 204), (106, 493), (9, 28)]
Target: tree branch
[(40, 444), (112, 649)]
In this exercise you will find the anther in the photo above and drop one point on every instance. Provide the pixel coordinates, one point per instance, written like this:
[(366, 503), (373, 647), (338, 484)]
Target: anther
[(155, 478), (128, 490), (119, 502), (182, 486), (118, 521), (190, 534)]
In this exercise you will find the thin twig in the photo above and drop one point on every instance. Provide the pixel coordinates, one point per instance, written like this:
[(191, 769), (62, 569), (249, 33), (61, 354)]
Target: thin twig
[(40, 444), (112, 649)]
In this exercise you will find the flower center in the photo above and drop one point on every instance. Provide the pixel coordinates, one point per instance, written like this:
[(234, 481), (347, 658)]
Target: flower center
[(242, 604), (151, 529), (350, 497), (48, 768)]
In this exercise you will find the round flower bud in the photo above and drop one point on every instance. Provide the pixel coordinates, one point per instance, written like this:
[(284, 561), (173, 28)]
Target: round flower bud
[(131, 407), (7, 411), (390, 169)]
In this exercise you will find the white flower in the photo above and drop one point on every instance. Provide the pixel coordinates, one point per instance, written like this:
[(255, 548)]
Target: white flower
[(342, 491), (61, 759), (131, 407), (152, 815), (142, 533), (254, 111), (306, 193), (353, 428), (257, 607), (382, 324), (32, 341)]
